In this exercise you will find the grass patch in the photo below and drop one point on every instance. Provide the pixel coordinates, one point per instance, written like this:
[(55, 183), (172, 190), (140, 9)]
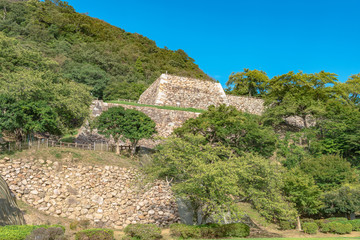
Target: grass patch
[(70, 137), (247, 209), (160, 107), (75, 156), (327, 238)]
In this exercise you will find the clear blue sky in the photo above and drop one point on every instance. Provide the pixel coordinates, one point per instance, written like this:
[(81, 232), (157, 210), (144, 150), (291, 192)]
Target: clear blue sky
[(276, 36)]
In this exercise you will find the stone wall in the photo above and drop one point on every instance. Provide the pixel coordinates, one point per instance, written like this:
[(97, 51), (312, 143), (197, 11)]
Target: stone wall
[(166, 121), (169, 90), (106, 195), (247, 104)]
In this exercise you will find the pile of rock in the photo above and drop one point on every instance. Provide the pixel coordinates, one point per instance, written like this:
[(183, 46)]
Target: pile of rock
[(106, 195)]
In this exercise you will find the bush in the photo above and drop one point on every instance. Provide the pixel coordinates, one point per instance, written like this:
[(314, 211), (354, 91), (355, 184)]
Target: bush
[(355, 224), (95, 234), (185, 231), (20, 232), (235, 230), (209, 230), (310, 227), (53, 233), (306, 220), (286, 225), (143, 231), (337, 219), (340, 228), (335, 227)]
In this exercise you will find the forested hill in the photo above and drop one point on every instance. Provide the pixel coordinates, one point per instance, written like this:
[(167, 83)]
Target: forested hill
[(115, 63)]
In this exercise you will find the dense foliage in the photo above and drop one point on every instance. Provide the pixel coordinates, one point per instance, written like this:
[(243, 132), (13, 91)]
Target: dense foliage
[(209, 231), (125, 124), (115, 63), (224, 124), (20, 232), (34, 97), (210, 176), (143, 231)]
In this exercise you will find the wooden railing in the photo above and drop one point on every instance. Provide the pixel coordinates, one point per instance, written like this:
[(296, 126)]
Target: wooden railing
[(46, 143)]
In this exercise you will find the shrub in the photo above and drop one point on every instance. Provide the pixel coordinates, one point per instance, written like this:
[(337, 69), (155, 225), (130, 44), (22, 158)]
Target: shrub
[(286, 225), (143, 231), (305, 220), (95, 234), (20, 232), (340, 228), (310, 227), (209, 230), (185, 231), (53, 233), (336, 227), (337, 219), (235, 230), (355, 224)]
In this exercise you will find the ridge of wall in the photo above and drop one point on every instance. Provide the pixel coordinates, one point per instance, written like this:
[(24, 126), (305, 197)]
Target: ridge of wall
[(149, 96)]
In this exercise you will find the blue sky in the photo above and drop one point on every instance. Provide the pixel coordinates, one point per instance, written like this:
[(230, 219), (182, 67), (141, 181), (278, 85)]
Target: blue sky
[(276, 36)]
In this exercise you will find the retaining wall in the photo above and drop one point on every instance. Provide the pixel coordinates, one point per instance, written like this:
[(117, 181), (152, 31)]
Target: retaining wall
[(106, 195)]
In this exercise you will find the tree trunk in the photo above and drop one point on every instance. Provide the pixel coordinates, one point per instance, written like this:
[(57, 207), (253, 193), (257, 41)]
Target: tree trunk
[(133, 147), (118, 147), (305, 123), (298, 227)]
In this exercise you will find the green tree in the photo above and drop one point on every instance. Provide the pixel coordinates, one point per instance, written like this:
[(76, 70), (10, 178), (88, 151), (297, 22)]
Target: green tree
[(339, 131), (211, 176), (301, 190), (137, 126), (350, 90), (240, 131), (23, 118), (125, 124), (344, 200), (123, 90), (299, 94), (329, 171), (69, 100), (203, 174), (249, 82)]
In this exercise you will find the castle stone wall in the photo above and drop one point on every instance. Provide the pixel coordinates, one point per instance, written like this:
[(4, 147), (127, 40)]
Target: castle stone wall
[(184, 92), (108, 196), (166, 120), (247, 104)]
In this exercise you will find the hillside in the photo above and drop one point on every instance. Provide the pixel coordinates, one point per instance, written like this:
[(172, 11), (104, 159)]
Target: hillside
[(115, 63)]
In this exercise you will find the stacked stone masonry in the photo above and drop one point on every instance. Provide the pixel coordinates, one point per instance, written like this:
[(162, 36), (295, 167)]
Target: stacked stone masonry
[(169, 90), (166, 121), (184, 92), (106, 195)]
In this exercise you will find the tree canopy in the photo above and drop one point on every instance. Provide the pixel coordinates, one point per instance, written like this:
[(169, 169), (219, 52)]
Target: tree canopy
[(86, 50), (213, 177), (125, 124), (240, 131), (249, 82)]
